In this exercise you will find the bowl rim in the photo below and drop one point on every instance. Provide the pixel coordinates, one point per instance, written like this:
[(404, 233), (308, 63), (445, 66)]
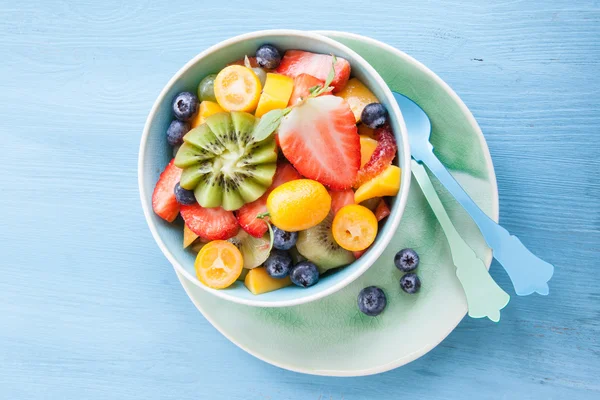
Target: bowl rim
[(396, 213)]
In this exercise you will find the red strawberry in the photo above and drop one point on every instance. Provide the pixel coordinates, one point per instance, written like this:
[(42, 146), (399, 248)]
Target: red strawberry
[(358, 254), (320, 139), (302, 84), (246, 215), (210, 223), (381, 158), (382, 210), (296, 62), (340, 199), (164, 203)]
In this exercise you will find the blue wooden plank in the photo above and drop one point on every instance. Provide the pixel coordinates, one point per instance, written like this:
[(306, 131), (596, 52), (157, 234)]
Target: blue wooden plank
[(91, 309)]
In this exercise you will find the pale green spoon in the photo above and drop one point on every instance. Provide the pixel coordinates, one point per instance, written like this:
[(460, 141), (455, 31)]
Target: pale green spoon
[(484, 297)]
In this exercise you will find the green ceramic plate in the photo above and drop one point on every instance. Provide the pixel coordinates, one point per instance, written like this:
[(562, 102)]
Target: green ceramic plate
[(330, 336)]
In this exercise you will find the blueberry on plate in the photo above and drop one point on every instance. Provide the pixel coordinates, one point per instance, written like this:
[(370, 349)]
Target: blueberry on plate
[(267, 56), (278, 264), (184, 196), (410, 283), (374, 115), (406, 260), (304, 274), (371, 301), (185, 106), (176, 131), (284, 240)]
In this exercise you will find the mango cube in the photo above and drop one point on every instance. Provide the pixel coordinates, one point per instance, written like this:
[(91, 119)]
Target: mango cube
[(385, 184), (357, 95), (258, 281), (276, 94), (207, 108)]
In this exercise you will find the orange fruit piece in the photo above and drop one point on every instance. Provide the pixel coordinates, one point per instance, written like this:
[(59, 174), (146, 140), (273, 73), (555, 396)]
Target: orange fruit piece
[(357, 95), (237, 88), (219, 264), (354, 227), (367, 148)]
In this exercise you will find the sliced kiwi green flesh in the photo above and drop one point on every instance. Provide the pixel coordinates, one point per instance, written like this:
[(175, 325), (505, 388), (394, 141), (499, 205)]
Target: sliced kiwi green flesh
[(317, 245), (222, 162), (255, 251)]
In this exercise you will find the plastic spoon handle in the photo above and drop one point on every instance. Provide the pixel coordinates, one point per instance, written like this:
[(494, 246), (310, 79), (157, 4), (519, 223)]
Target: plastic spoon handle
[(527, 272), (484, 297)]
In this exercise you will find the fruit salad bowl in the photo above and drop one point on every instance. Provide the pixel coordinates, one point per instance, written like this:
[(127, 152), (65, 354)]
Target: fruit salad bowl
[(155, 154)]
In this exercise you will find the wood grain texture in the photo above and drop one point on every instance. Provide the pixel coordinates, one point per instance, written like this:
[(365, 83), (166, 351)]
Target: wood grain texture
[(89, 307)]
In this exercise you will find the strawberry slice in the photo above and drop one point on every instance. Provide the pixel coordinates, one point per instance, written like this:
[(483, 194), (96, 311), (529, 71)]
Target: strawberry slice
[(382, 210), (210, 223), (320, 139), (340, 199), (164, 203), (246, 216), (296, 62), (302, 84), (381, 158)]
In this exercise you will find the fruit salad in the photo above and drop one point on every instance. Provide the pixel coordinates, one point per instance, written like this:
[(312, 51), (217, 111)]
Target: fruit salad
[(283, 170)]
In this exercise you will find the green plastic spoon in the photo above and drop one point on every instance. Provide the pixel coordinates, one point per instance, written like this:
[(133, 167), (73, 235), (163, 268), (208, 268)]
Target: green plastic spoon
[(484, 297)]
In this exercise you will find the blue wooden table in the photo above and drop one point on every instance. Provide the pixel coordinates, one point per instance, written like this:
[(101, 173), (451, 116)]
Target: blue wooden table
[(89, 307)]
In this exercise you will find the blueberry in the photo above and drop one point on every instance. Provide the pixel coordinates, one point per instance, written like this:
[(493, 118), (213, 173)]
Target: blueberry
[(304, 274), (372, 301), (184, 196), (268, 56), (185, 106), (284, 240), (177, 131), (410, 283), (278, 264), (374, 115), (406, 260)]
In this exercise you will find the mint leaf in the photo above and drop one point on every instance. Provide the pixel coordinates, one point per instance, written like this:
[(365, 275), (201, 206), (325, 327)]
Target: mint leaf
[(318, 89), (331, 72), (269, 124), (314, 89)]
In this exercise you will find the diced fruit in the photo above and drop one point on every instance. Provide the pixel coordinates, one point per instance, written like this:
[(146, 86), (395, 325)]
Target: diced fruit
[(371, 301), (278, 264), (374, 115), (364, 130), (176, 131), (302, 85), (406, 260), (359, 254), (206, 88), (298, 205), (210, 223), (382, 211), (185, 106), (385, 184), (218, 264), (304, 274), (340, 199), (284, 240), (410, 283), (382, 156), (267, 56), (207, 108), (223, 163), (247, 215), (184, 196), (188, 236), (237, 88), (258, 281), (317, 244), (254, 250), (319, 138), (371, 204), (354, 227), (164, 203), (296, 62), (367, 148), (275, 95), (357, 95)]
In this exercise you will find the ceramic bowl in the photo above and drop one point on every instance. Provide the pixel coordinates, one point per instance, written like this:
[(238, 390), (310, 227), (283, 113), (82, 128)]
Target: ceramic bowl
[(155, 153)]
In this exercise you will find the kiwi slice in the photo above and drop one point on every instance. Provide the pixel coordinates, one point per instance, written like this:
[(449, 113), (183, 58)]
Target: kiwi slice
[(317, 245), (224, 164), (255, 251)]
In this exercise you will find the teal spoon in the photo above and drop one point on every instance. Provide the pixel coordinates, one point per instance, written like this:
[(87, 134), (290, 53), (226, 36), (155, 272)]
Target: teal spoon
[(527, 272), (484, 297)]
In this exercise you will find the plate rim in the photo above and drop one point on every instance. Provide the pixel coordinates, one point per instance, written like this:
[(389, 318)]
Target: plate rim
[(487, 261)]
